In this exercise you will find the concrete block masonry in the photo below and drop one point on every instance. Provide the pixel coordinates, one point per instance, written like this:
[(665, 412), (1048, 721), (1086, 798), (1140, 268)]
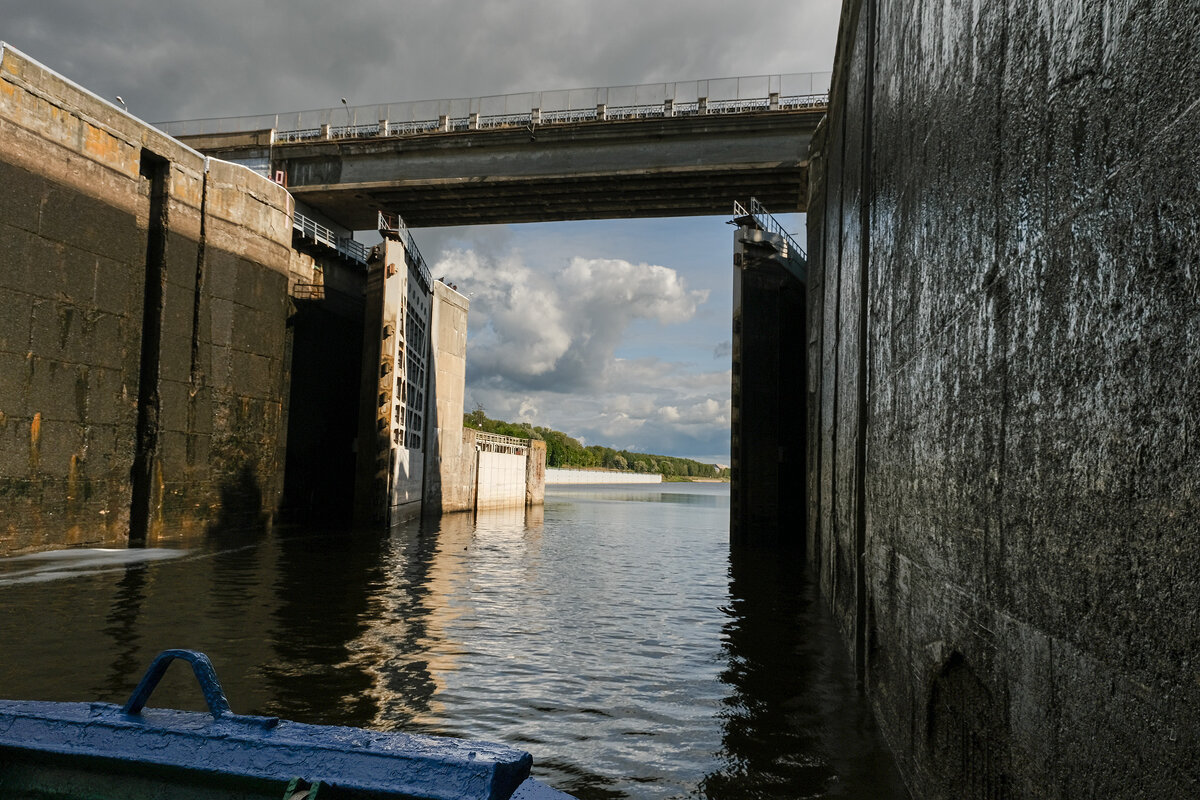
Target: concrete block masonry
[(1002, 405), (143, 293)]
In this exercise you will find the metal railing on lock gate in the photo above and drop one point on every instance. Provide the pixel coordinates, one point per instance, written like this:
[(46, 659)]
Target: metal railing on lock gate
[(767, 222), (392, 225)]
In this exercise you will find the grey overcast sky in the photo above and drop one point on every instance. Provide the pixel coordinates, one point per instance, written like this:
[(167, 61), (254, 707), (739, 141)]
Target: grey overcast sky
[(616, 332)]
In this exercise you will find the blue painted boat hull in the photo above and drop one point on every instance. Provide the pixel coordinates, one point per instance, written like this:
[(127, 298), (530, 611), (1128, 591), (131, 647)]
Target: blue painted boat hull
[(101, 751)]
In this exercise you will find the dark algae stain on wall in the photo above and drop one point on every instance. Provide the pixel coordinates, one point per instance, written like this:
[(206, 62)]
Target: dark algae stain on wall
[(1000, 214)]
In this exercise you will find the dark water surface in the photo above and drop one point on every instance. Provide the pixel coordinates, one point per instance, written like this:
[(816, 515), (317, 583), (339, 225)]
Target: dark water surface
[(611, 634)]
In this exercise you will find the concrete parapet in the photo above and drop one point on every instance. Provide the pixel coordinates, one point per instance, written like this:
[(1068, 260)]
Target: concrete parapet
[(239, 201)]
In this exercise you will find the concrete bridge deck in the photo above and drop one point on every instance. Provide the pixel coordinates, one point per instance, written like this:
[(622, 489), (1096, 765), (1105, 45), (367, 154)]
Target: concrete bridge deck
[(677, 154)]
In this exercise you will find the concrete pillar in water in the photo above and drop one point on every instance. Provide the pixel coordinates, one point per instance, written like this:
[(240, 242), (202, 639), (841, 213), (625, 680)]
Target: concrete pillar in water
[(390, 462), (449, 466), (535, 474), (767, 443)]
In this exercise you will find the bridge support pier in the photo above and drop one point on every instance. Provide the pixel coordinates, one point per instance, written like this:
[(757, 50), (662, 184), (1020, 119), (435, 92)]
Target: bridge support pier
[(767, 496)]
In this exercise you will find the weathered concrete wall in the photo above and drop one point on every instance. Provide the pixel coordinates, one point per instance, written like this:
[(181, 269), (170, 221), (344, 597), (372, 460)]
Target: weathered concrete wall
[(1003, 407), (142, 311), (391, 460), (488, 475), (449, 462), (239, 355), (500, 480), (535, 474), (767, 440), (323, 403)]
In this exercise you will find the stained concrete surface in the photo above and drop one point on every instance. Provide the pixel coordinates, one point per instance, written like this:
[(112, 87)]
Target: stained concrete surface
[(77, 322), (1004, 219)]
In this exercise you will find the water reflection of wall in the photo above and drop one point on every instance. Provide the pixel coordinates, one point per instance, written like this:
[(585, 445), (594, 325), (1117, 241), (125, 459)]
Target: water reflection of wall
[(806, 731), (412, 643), (322, 592), (324, 626), (89, 634)]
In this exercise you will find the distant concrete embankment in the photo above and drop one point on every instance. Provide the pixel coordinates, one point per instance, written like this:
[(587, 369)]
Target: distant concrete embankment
[(564, 476)]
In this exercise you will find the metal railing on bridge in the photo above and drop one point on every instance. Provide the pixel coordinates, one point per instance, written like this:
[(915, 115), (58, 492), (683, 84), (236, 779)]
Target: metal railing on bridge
[(803, 90)]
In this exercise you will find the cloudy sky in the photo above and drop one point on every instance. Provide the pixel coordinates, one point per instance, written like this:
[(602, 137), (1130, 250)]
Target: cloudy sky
[(614, 331)]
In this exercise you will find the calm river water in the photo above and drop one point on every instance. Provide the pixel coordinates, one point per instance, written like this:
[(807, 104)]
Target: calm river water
[(611, 634)]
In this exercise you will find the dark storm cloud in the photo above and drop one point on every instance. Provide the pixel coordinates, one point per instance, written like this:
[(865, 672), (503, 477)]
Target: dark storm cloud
[(177, 60), (544, 340)]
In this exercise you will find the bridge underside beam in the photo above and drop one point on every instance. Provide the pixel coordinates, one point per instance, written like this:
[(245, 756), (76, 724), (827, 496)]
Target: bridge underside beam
[(496, 200), (673, 166)]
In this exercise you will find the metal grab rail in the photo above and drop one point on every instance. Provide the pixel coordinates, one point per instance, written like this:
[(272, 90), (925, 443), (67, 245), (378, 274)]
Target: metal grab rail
[(346, 246), (206, 676), (767, 222), (393, 225), (714, 95)]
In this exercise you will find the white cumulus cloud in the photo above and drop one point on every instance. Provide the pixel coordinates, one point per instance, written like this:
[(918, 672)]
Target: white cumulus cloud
[(559, 330)]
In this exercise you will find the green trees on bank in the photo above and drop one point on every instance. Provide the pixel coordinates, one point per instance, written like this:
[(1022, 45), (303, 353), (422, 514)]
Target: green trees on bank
[(565, 451)]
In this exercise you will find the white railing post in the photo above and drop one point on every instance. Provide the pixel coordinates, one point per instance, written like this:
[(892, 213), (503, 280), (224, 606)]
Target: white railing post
[(748, 95)]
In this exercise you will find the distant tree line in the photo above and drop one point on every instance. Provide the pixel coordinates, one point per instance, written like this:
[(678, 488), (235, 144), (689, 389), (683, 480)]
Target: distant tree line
[(563, 451)]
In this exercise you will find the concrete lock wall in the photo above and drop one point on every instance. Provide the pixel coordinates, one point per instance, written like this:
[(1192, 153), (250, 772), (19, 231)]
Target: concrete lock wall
[(143, 299), (767, 439), (450, 459), (501, 480), (1004, 333), (392, 429)]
